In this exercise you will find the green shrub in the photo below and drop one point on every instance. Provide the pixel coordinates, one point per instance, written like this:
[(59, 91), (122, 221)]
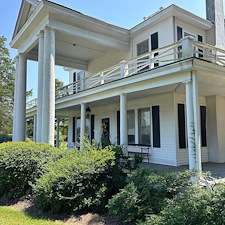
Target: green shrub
[(5, 138), (21, 163), (78, 182), (197, 206), (146, 193)]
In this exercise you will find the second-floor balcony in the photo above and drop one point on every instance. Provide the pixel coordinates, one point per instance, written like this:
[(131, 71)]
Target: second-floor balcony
[(161, 57)]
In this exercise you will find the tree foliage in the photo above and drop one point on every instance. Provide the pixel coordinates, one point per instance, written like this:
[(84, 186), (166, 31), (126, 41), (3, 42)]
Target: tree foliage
[(7, 77)]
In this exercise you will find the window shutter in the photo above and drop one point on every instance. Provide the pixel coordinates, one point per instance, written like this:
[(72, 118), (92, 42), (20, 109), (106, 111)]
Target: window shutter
[(156, 126), (92, 127), (179, 36), (181, 126), (155, 45), (74, 128), (200, 39), (154, 41), (118, 127), (179, 33), (203, 125)]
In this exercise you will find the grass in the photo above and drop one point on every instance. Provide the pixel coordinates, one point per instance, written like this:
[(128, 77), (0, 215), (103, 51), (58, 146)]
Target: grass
[(10, 216)]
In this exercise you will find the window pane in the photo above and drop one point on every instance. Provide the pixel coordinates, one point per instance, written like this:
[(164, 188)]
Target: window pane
[(142, 47), (144, 126), (131, 126)]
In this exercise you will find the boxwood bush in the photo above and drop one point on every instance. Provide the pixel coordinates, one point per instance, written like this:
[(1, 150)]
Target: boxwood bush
[(78, 182), (196, 206), (146, 193), (5, 138), (21, 163)]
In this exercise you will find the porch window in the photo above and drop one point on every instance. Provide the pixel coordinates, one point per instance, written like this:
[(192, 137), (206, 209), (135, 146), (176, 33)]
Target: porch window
[(144, 126), (131, 126)]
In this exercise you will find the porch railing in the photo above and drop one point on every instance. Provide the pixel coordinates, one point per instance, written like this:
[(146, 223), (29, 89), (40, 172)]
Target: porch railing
[(183, 49)]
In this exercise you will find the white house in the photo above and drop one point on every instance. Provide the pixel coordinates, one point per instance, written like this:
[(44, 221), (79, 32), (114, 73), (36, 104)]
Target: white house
[(159, 86)]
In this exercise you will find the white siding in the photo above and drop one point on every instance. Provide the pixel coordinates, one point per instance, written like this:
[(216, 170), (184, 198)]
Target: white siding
[(182, 154), (165, 34), (190, 29), (166, 154)]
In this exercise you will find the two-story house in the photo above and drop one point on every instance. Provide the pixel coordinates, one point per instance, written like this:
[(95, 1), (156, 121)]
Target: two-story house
[(158, 86)]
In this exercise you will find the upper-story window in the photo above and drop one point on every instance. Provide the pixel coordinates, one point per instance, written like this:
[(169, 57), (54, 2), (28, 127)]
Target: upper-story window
[(182, 33), (143, 47)]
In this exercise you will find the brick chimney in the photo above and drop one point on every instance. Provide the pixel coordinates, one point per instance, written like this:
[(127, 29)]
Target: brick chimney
[(215, 14)]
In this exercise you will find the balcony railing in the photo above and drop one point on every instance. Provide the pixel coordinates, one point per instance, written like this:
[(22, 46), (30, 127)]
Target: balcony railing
[(183, 49)]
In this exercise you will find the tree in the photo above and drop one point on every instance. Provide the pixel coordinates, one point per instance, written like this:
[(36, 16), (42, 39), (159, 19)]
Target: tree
[(7, 77)]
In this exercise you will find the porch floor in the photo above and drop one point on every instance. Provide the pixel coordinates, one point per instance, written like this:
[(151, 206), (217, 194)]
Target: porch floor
[(217, 170)]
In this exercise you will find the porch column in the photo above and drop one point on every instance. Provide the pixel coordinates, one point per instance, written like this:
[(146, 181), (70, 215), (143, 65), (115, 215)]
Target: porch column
[(190, 125), (123, 121), (57, 132), (82, 122), (35, 128), (19, 120), (40, 85), (197, 122), (48, 106)]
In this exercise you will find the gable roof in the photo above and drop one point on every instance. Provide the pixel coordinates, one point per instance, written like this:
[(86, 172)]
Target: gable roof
[(26, 9)]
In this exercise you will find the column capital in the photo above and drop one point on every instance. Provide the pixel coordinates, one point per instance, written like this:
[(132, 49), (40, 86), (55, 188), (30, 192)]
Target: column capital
[(48, 28), (41, 34)]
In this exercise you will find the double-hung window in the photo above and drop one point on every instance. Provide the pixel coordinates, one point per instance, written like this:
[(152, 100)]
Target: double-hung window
[(131, 126), (144, 130), (142, 48)]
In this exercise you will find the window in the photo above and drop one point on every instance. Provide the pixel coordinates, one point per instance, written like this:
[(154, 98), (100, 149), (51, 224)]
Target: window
[(131, 126), (144, 126), (142, 48)]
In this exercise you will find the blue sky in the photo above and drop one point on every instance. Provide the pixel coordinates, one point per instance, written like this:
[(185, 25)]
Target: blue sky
[(124, 13)]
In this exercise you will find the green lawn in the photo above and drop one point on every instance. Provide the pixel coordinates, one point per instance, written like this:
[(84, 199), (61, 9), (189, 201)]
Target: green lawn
[(10, 216)]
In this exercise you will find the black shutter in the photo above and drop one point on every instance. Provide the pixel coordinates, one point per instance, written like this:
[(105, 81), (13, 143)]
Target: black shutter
[(156, 126), (181, 126), (154, 41), (179, 36), (155, 45), (179, 33), (92, 127), (74, 128), (118, 127), (200, 39), (203, 125)]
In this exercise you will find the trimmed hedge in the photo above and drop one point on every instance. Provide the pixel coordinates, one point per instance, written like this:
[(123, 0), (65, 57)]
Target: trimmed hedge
[(76, 183), (5, 138), (21, 163)]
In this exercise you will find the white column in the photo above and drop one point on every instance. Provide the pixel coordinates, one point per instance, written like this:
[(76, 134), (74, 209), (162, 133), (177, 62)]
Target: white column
[(19, 127), (197, 122), (48, 106), (123, 121), (35, 128), (57, 133), (40, 85), (83, 119), (15, 95), (190, 125)]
